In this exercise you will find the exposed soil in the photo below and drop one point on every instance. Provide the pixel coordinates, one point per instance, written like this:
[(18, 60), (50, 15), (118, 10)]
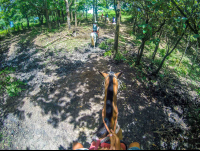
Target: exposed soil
[(63, 99)]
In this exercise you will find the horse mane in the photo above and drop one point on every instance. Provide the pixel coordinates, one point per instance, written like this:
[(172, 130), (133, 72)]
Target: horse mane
[(102, 131)]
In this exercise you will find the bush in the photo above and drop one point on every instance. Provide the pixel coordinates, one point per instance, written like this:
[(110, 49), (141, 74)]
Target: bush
[(103, 45), (162, 52), (119, 57), (9, 84), (108, 53)]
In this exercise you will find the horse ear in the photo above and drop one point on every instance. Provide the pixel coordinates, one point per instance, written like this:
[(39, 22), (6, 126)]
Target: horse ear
[(118, 74), (103, 74)]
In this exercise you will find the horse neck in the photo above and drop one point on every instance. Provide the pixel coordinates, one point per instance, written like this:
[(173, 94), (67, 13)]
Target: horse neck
[(111, 89)]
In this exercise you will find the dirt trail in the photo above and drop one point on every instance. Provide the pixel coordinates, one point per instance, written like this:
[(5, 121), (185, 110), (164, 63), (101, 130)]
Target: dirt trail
[(63, 100)]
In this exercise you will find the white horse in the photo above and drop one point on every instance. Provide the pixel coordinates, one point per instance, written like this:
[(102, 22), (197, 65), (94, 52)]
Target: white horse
[(94, 37), (107, 20)]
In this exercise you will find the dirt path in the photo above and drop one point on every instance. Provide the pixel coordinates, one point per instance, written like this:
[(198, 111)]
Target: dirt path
[(64, 96)]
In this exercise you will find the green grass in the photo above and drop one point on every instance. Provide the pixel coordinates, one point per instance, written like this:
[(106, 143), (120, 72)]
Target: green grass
[(110, 41), (121, 38)]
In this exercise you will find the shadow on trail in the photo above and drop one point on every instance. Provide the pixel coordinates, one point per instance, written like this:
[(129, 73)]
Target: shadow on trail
[(71, 91)]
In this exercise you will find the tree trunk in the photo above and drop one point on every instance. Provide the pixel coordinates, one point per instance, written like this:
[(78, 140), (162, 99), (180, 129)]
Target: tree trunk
[(72, 16), (117, 28), (86, 13), (75, 20), (63, 17), (167, 54), (195, 57), (47, 15), (96, 11), (27, 21), (107, 8), (155, 51), (75, 16), (41, 19), (93, 11), (184, 52), (134, 24), (58, 14), (157, 46), (140, 51), (68, 14), (55, 19)]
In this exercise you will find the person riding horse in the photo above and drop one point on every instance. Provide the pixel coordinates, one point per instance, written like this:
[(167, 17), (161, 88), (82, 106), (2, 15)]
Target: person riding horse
[(107, 135), (95, 34)]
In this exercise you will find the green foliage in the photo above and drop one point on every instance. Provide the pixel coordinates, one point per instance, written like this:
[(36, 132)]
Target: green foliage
[(157, 61), (108, 53), (110, 41), (122, 39), (103, 45), (119, 57), (198, 91), (1, 136), (9, 84), (182, 70), (162, 52)]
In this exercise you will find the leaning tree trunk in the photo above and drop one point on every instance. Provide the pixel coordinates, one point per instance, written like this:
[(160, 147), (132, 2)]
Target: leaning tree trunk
[(140, 51), (157, 46), (68, 14), (117, 28), (167, 54), (188, 44)]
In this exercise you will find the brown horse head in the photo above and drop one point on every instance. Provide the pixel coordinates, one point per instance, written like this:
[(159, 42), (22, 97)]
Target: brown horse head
[(110, 111)]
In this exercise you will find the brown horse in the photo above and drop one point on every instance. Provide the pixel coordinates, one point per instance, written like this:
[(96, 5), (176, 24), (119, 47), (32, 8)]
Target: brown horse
[(110, 110)]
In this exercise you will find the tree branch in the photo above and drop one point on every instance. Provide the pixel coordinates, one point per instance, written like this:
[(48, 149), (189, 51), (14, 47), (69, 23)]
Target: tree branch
[(196, 32)]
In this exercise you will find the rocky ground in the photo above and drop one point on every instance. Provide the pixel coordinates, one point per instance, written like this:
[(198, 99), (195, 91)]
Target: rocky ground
[(63, 99)]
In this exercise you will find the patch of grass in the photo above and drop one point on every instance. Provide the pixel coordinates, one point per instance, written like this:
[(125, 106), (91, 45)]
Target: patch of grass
[(108, 53), (119, 57), (110, 41), (8, 84), (121, 38), (103, 45), (181, 71)]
